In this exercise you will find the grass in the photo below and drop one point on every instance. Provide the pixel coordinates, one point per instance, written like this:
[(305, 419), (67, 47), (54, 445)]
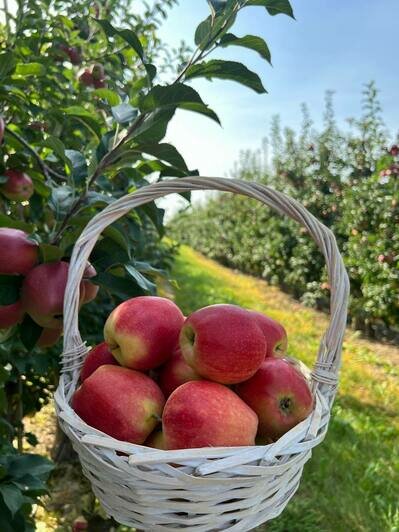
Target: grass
[(351, 484), (352, 481)]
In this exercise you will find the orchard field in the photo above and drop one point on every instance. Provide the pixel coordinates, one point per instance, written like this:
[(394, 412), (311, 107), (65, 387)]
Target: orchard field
[(88, 93)]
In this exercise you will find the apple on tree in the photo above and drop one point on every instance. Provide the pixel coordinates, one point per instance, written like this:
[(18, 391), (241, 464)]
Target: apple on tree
[(11, 314), (207, 414), (142, 332), (18, 254), (43, 292), (49, 337), (223, 343), (280, 396), (18, 187), (121, 402)]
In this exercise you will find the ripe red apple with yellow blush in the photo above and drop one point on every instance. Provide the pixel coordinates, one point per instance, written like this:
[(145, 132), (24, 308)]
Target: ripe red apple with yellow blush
[(142, 332), (275, 334), (11, 314), (18, 187), (207, 414), (96, 357), (223, 343), (280, 396), (43, 292), (18, 253), (121, 402), (175, 372)]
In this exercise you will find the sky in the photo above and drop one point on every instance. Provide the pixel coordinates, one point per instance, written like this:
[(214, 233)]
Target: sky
[(332, 45)]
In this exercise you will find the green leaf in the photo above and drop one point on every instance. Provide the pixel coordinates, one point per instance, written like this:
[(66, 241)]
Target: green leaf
[(124, 113), (165, 152), (7, 221), (155, 214), (50, 253), (127, 35), (79, 166), (249, 41), (177, 95), (10, 286), (274, 7), (122, 287), (12, 496), (144, 284), (30, 69), (116, 233), (57, 146), (7, 64), (112, 97), (154, 127), (203, 32), (84, 116), (31, 464), (29, 332), (217, 5), (132, 39), (230, 70)]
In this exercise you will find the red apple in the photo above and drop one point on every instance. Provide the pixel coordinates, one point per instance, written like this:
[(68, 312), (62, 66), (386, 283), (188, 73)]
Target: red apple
[(89, 290), (73, 53), (142, 332), (156, 440), (43, 292), (96, 357), (207, 414), (2, 128), (18, 253), (49, 337), (275, 334), (121, 402), (18, 187), (86, 78), (11, 314), (175, 372), (223, 343), (280, 396)]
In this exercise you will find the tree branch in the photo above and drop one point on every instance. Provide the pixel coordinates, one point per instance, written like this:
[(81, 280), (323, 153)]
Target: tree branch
[(47, 171)]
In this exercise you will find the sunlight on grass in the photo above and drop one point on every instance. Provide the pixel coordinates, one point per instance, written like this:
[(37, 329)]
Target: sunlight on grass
[(351, 484)]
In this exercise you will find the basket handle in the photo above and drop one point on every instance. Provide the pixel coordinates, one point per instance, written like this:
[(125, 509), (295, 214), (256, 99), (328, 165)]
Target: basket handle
[(326, 368)]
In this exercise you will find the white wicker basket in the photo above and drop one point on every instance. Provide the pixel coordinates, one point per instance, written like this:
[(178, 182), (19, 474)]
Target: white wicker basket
[(230, 488)]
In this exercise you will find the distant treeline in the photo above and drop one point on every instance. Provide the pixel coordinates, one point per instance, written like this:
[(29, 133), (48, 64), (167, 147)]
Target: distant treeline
[(348, 179)]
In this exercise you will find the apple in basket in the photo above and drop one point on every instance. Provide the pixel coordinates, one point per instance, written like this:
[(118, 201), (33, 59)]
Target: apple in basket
[(207, 414), (275, 334), (175, 372), (98, 356), (142, 332), (121, 402), (280, 396), (223, 343)]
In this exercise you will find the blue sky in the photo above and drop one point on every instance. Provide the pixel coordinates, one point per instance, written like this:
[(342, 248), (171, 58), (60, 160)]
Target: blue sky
[(336, 45)]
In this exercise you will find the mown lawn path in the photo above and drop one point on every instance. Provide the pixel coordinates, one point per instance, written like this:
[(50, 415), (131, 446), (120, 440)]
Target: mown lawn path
[(352, 482)]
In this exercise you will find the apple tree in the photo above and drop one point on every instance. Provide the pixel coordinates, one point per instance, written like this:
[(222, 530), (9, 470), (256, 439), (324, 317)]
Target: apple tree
[(87, 91)]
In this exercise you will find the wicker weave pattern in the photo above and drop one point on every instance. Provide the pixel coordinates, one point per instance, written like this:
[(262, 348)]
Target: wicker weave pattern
[(199, 490)]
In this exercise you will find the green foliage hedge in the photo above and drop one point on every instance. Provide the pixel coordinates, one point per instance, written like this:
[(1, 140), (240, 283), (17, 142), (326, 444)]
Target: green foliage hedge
[(350, 181)]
